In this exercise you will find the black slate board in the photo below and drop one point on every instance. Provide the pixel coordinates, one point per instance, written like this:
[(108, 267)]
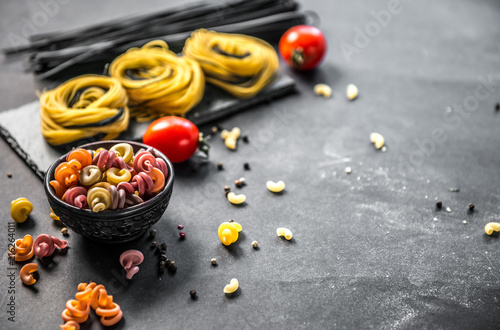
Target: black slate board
[(26, 140)]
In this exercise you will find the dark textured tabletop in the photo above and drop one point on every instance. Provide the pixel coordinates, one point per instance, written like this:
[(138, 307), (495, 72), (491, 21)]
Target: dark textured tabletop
[(370, 249)]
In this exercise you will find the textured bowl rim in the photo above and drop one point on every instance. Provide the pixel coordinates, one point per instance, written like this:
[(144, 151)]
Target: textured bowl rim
[(107, 215)]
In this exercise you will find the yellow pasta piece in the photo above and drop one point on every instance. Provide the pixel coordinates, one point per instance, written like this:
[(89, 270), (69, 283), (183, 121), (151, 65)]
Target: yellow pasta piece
[(491, 227), (377, 139), (98, 198), (230, 137), (232, 286), (115, 175), (124, 150), (54, 216), (284, 232), (275, 187), (20, 209), (323, 90), (228, 232), (236, 199)]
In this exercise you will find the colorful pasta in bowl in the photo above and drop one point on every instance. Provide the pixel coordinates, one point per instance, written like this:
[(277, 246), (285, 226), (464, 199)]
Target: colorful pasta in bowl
[(110, 191)]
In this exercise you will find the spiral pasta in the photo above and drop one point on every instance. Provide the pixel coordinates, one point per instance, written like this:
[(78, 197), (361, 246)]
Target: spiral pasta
[(76, 196), (95, 296), (45, 245), (241, 65), (84, 107), (26, 273), (158, 82), (23, 249), (20, 209)]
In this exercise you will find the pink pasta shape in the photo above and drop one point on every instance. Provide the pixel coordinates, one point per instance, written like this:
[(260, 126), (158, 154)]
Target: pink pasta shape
[(144, 161), (129, 260), (142, 182), (45, 245), (76, 196), (104, 159)]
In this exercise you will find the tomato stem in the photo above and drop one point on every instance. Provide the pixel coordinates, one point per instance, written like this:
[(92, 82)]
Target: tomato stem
[(203, 146), (297, 57)]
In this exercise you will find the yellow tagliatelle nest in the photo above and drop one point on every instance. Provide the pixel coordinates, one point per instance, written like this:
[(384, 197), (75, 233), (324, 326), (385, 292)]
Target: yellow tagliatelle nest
[(158, 82), (239, 64), (83, 107)]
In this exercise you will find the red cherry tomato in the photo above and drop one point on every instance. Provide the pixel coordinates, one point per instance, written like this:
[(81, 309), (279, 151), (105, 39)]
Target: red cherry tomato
[(176, 137), (303, 47)]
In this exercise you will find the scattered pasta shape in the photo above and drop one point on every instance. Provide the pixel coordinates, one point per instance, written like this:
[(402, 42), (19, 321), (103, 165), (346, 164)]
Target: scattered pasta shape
[(129, 260), (236, 199), (20, 209), (230, 137), (377, 139), (95, 296), (228, 232), (323, 90), (70, 325), (232, 286), (45, 245), (352, 92), (23, 249), (26, 273), (275, 187), (284, 232), (492, 227)]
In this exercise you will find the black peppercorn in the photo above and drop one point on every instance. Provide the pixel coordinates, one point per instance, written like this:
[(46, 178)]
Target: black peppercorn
[(439, 204), (152, 232), (471, 207), (220, 167), (163, 246), (246, 166), (497, 107), (163, 257), (244, 138), (154, 244), (9, 175), (227, 189), (192, 293), (172, 268)]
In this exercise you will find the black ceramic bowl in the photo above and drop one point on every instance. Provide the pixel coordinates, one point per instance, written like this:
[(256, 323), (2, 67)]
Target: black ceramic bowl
[(111, 226)]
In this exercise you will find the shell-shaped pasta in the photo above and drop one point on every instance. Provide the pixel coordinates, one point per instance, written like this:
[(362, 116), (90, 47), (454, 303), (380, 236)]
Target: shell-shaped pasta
[(20, 209)]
